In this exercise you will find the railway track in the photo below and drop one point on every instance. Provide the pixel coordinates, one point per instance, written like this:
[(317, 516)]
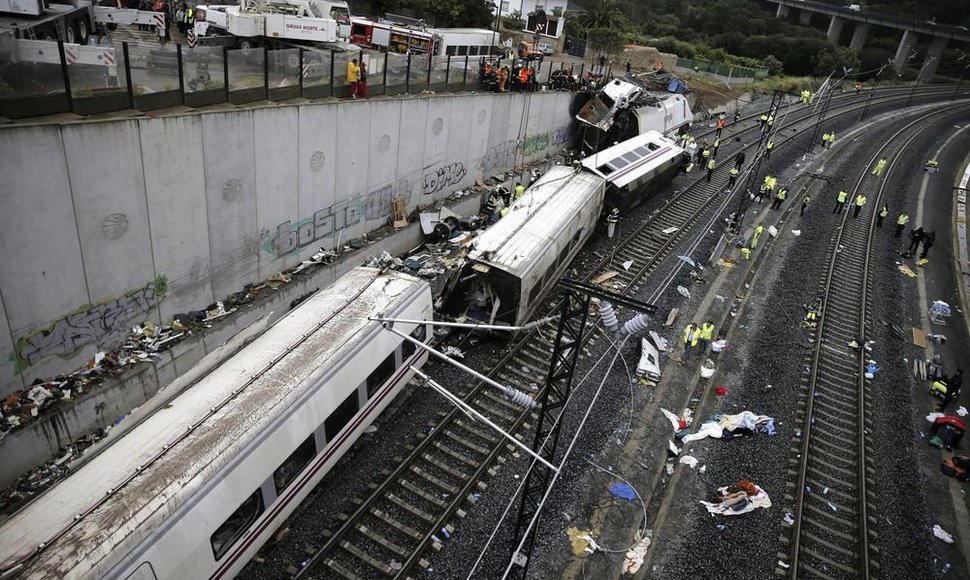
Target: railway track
[(418, 502), (832, 537)]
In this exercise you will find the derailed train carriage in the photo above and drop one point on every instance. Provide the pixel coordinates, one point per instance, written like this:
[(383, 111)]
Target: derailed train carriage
[(194, 489), (513, 264)]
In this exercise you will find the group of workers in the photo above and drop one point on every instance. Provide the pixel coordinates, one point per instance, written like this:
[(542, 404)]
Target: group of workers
[(500, 200), (697, 335)]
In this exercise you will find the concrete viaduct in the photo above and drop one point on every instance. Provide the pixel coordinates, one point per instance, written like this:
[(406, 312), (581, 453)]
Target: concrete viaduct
[(912, 31)]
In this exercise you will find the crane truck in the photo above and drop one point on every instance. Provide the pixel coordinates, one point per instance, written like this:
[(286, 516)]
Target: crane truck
[(72, 21)]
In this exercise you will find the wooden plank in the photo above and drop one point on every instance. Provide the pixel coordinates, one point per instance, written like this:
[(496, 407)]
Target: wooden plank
[(919, 337)]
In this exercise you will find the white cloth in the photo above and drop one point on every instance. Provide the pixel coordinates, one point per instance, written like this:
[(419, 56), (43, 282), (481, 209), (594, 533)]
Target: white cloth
[(942, 534), (759, 500)]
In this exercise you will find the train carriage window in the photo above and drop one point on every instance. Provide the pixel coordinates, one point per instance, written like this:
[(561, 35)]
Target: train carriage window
[(340, 416), (472, 51), (462, 50), (379, 376), (237, 524), (294, 464), (450, 50), (408, 348)]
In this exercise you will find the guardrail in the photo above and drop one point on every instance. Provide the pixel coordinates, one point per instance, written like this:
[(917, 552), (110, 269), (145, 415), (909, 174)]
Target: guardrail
[(48, 77)]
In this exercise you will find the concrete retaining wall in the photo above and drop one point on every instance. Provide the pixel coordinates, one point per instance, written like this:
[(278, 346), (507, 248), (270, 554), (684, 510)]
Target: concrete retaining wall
[(108, 224)]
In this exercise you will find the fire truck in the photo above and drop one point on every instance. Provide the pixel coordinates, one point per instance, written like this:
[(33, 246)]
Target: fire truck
[(394, 34)]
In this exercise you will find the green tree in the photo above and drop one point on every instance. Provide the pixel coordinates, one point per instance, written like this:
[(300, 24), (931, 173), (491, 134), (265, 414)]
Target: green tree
[(605, 41), (513, 21), (836, 58), (443, 13), (773, 65), (602, 14)]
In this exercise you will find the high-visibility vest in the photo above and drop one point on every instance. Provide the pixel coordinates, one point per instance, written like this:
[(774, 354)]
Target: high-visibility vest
[(782, 193), (706, 153), (884, 212), (764, 118), (710, 164), (707, 331), (843, 195), (492, 202), (902, 219), (734, 172), (691, 335), (717, 143), (519, 190), (860, 200), (807, 200), (770, 145)]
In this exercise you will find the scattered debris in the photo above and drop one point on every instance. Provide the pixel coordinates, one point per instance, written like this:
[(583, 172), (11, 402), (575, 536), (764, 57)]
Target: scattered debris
[(727, 427), (919, 337), (649, 364), (720, 391), (659, 341), (627, 265), (634, 556), (907, 270), (683, 292), (689, 461), (942, 534), (707, 369), (671, 316), (608, 275), (452, 352), (737, 499), (622, 491)]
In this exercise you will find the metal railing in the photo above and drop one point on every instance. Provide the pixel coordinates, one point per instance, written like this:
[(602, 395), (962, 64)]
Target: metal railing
[(47, 77)]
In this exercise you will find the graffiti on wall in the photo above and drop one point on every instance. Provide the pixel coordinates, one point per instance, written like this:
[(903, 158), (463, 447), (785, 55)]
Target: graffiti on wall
[(445, 176), (326, 223), (507, 154), (94, 323)]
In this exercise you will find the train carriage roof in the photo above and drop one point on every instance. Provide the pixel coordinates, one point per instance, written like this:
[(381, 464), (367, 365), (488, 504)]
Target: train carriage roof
[(544, 210), (630, 160), (224, 420)]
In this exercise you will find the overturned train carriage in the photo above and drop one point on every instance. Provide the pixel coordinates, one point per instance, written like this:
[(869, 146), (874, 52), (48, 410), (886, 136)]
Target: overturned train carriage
[(194, 489), (515, 261), (637, 168)]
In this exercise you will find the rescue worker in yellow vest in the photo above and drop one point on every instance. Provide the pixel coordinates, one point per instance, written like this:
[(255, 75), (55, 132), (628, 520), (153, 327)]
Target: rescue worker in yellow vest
[(733, 176), (707, 335), (770, 122), (611, 222), (882, 215), (692, 334), (717, 143), (491, 205), (756, 236), (840, 201), (768, 147), (519, 190), (806, 95), (831, 140), (780, 197), (807, 200), (710, 168), (880, 166), (901, 222), (860, 200), (763, 119)]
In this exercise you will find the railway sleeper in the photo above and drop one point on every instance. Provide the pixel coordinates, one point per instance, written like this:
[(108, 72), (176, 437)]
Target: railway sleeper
[(825, 519), (455, 455), (397, 525), (410, 508), (538, 357), (430, 498), (443, 485), (821, 559), (480, 433), (445, 467), (340, 569), (496, 413), (382, 541), (366, 558)]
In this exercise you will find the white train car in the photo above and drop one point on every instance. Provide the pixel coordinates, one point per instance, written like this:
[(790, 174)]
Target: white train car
[(515, 261), (622, 110), (637, 168), (196, 488)]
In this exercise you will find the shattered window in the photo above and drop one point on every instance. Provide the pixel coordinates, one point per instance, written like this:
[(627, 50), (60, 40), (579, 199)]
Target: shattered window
[(237, 524), (294, 464)]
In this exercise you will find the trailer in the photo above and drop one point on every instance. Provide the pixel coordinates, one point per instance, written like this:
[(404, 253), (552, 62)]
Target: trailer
[(467, 41), (393, 34), (273, 22)]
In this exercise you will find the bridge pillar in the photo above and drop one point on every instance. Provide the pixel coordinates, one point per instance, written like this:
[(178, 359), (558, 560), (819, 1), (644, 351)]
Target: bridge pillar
[(835, 29), (782, 11), (932, 58), (804, 17), (906, 45), (859, 35)]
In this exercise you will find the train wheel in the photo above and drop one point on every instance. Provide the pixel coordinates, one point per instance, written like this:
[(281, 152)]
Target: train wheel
[(69, 36), (83, 32)]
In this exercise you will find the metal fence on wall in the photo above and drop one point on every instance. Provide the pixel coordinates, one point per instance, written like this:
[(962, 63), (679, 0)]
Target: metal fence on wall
[(47, 77), (724, 70)]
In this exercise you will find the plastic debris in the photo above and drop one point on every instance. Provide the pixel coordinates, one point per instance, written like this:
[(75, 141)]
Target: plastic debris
[(689, 461), (627, 265), (683, 292), (796, 233), (707, 369), (719, 345), (634, 556), (452, 352), (688, 260), (672, 449), (962, 411), (622, 491), (789, 518), (720, 391), (942, 534)]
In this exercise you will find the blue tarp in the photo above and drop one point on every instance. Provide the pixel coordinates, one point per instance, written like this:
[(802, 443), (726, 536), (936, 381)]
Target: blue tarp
[(623, 491), (677, 86)]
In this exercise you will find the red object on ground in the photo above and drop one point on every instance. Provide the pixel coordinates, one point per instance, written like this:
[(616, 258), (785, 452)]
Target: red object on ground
[(720, 391), (951, 420)]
